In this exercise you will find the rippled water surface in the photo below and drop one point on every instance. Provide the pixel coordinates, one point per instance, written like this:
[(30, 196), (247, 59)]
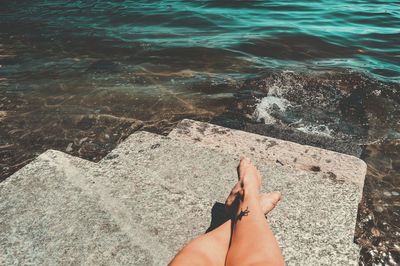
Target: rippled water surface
[(80, 76)]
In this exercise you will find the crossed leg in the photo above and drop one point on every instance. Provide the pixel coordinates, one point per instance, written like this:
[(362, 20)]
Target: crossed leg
[(252, 241), (228, 244)]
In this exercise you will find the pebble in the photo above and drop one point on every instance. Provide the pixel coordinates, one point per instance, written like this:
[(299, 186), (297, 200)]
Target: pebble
[(3, 113), (69, 147), (387, 193), (83, 140)]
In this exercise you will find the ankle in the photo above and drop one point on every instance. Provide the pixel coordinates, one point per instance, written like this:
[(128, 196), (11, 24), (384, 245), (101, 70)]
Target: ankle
[(248, 202), (249, 195), (250, 190)]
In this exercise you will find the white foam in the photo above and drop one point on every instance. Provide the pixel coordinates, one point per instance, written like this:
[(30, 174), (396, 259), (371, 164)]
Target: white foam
[(320, 130), (267, 105)]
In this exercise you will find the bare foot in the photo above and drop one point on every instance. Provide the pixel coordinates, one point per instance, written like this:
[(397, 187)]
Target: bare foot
[(268, 201), (250, 180), (249, 177)]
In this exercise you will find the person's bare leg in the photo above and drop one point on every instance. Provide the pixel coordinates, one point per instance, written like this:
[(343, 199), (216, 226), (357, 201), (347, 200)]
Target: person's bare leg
[(212, 248), (253, 242)]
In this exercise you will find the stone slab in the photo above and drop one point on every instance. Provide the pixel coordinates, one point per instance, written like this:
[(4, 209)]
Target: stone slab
[(50, 215), (314, 223), (272, 151), (151, 195), (346, 145)]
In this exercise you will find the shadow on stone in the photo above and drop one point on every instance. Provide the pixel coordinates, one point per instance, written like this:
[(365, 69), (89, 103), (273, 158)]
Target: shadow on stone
[(218, 216)]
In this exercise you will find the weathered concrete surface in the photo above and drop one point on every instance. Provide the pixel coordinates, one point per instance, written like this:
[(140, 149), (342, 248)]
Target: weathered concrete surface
[(347, 146), (152, 194), (337, 166), (50, 215), (314, 223)]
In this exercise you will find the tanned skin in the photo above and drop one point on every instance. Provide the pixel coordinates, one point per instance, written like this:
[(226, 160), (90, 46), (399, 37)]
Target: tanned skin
[(246, 239)]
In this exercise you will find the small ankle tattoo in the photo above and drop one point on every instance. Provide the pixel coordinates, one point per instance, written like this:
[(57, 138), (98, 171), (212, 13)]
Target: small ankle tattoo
[(243, 213)]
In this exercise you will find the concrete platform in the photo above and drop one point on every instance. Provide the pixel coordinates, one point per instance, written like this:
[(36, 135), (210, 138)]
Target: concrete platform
[(272, 151), (152, 194)]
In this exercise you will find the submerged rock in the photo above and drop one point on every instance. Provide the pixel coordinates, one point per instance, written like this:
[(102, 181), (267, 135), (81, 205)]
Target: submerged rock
[(104, 66)]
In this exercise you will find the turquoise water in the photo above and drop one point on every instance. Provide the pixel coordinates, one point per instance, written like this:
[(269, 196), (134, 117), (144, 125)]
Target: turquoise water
[(362, 35), (75, 74)]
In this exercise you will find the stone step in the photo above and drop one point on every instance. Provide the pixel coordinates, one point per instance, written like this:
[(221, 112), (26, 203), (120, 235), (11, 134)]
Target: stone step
[(314, 223), (52, 214), (272, 151), (152, 194), (346, 144)]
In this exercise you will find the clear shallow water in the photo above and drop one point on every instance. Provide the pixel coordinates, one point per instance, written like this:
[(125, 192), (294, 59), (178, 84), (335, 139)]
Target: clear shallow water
[(75, 74)]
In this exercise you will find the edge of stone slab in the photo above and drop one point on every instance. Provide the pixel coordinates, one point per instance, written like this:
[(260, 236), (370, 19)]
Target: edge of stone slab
[(53, 155), (273, 151), (124, 148), (347, 145)]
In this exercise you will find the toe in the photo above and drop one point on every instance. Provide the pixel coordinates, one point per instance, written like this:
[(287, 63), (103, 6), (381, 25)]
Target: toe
[(248, 173), (244, 163), (243, 167)]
